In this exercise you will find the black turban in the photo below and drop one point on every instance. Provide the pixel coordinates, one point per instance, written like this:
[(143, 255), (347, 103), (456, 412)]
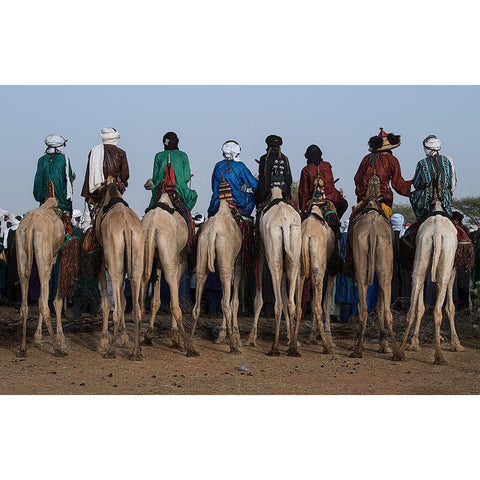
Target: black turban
[(313, 154), (170, 141), (273, 141)]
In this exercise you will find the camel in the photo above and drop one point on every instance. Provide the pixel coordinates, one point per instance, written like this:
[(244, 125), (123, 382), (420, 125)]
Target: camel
[(221, 239), (120, 234), (40, 235), (280, 228), (372, 238), (436, 244), (166, 233), (318, 243)]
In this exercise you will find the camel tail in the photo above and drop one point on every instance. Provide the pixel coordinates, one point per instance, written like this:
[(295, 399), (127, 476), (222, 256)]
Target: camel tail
[(306, 255), (127, 236), (212, 240), (437, 240), (286, 242), (372, 245)]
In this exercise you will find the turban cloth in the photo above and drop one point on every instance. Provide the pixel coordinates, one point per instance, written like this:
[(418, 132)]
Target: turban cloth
[(109, 136), (432, 145), (231, 149), (313, 154), (170, 141), (397, 220), (53, 142), (273, 141)]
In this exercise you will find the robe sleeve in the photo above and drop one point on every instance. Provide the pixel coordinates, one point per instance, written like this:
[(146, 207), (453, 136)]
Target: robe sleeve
[(330, 190), (85, 189), (417, 182), (358, 179), (38, 183), (186, 168), (248, 179), (303, 190), (288, 179), (124, 170), (399, 184)]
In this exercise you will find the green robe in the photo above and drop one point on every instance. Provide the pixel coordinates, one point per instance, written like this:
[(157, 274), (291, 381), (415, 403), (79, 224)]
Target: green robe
[(52, 167), (181, 167)]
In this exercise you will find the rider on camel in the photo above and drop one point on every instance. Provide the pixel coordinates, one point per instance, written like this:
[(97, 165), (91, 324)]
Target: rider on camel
[(55, 166), (273, 171), (318, 168), (105, 160), (242, 183)]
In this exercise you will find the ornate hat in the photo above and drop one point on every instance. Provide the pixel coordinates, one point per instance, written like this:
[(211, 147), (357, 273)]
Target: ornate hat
[(383, 141)]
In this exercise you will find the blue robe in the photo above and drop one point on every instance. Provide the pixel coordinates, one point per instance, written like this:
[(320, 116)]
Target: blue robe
[(236, 174), (427, 168)]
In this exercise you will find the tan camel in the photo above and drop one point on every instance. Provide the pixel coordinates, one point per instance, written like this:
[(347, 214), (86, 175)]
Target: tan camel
[(436, 244), (221, 239), (372, 238), (318, 243), (120, 234), (280, 228), (166, 234), (40, 236)]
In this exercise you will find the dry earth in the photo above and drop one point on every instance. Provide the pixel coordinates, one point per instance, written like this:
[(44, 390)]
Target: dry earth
[(168, 371)]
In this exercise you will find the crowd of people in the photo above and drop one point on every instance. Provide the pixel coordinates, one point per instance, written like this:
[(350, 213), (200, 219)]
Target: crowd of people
[(172, 174)]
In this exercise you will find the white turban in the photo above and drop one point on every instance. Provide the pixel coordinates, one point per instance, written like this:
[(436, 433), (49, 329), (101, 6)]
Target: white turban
[(54, 140), (397, 220), (344, 226), (76, 213), (3, 223), (432, 145), (231, 149), (198, 219), (109, 136)]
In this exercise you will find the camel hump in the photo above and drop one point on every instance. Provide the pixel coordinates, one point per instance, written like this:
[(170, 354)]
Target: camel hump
[(49, 204)]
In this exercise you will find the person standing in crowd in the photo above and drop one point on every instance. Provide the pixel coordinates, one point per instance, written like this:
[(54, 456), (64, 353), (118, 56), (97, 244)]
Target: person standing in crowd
[(401, 281), (3, 256), (104, 160), (241, 181), (317, 167), (54, 165)]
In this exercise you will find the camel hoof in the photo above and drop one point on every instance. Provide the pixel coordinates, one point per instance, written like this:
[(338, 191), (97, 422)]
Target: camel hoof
[(221, 338), (440, 361), (37, 341), (326, 351), (21, 353), (109, 355), (273, 353), (457, 348), (147, 341), (356, 355), (399, 357), (136, 357), (235, 351), (293, 352), (385, 349), (60, 353), (103, 344), (192, 353), (331, 344), (414, 347), (124, 340)]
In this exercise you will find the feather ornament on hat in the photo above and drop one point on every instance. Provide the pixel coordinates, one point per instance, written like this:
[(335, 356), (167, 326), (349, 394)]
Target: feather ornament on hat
[(383, 142)]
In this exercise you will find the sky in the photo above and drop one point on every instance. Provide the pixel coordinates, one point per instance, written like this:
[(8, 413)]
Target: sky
[(339, 119)]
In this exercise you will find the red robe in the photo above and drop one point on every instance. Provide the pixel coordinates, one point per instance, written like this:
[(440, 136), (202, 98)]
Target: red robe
[(388, 170), (306, 187)]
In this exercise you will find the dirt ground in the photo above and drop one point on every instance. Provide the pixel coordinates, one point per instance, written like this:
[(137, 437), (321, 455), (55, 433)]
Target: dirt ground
[(168, 371)]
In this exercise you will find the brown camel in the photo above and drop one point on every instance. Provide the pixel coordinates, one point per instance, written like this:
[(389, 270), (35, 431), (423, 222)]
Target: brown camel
[(372, 238), (221, 239), (166, 233), (40, 236), (280, 228), (436, 244), (120, 234), (318, 243)]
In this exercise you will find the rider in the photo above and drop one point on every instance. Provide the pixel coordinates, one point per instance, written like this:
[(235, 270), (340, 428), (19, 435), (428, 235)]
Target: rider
[(105, 160), (381, 163), (317, 167), (239, 178), (181, 169), (273, 170), (55, 166)]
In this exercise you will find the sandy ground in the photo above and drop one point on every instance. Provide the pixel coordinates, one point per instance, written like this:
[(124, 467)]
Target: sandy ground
[(168, 371)]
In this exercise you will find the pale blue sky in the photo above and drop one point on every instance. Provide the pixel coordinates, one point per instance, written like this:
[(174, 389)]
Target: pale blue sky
[(339, 119)]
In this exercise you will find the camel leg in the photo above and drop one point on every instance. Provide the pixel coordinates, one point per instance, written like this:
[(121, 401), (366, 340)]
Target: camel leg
[(24, 274), (292, 274), (455, 345), (226, 279), (437, 316), (317, 313), (117, 284), (37, 339), (137, 312), (362, 317), (383, 347), (413, 310), (257, 303), (103, 345), (124, 338), (327, 309), (415, 342), (285, 308), (235, 302), (154, 306), (222, 334), (58, 303), (276, 273)]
